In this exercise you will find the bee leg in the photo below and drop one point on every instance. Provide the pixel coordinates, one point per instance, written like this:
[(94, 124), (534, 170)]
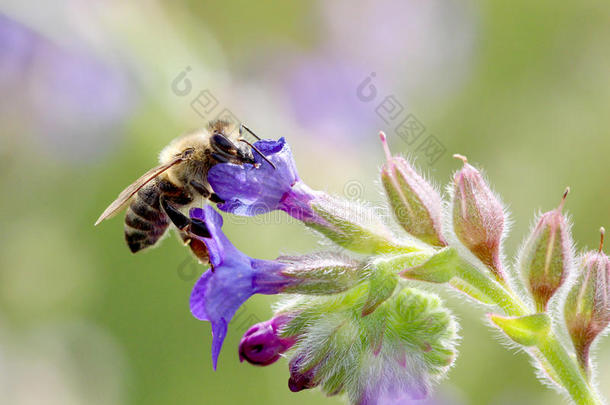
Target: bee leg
[(184, 223), (199, 228), (200, 188), (203, 190), (215, 199)]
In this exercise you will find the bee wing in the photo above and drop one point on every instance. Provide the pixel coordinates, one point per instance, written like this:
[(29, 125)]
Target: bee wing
[(133, 188)]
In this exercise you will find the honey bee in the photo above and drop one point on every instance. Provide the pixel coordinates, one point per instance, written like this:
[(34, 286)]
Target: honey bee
[(155, 199)]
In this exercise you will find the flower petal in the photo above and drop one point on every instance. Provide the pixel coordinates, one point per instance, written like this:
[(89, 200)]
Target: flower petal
[(233, 279), (255, 189)]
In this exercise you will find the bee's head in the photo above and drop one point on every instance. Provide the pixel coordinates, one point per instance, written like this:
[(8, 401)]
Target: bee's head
[(225, 150)]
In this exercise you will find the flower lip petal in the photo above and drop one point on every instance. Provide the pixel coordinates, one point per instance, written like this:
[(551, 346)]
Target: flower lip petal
[(236, 277), (217, 242), (251, 190), (269, 146)]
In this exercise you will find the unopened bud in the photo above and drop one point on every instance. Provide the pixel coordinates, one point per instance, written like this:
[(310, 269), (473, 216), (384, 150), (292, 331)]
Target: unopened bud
[(414, 201), (547, 255), (301, 379), (587, 306), (262, 344), (478, 217)]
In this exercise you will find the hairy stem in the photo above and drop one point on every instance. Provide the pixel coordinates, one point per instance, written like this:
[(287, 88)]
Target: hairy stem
[(567, 371), (550, 351)]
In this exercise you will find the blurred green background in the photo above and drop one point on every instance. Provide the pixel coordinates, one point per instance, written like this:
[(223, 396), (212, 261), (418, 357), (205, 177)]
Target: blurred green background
[(91, 92)]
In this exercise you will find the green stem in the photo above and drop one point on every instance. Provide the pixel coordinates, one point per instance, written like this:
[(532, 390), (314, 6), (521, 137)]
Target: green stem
[(565, 369), (491, 288)]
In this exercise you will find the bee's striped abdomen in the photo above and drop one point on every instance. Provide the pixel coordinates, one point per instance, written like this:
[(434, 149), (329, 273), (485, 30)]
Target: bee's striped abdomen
[(145, 222)]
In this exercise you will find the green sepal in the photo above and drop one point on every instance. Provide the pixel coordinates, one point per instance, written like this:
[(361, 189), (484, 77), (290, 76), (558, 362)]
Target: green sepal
[(529, 330), (447, 266), (440, 268), (383, 282), (471, 291)]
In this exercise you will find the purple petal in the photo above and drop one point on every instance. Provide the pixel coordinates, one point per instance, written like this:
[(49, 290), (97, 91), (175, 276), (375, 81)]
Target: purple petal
[(233, 279), (218, 242), (249, 190), (219, 332)]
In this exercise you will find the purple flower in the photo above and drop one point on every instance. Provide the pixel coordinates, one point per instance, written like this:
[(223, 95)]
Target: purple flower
[(262, 344), (396, 385), (257, 189), (250, 190), (321, 92), (233, 278)]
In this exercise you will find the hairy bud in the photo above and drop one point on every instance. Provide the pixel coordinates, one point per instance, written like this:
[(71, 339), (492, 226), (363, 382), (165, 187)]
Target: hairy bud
[(262, 344), (301, 379), (478, 216), (587, 307), (415, 202), (547, 255)]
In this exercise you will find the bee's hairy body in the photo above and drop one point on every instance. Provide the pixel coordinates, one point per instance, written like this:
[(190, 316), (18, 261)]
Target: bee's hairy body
[(155, 200)]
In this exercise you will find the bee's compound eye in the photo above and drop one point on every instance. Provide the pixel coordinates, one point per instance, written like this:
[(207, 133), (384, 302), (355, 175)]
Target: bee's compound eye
[(223, 145)]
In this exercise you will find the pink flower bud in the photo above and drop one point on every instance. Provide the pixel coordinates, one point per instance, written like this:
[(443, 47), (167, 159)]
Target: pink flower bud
[(587, 306), (414, 201), (478, 216), (547, 255), (301, 379), (262, 344)]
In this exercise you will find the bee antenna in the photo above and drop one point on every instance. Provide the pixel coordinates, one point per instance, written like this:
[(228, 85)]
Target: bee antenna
[(249, 130), (258, 151)]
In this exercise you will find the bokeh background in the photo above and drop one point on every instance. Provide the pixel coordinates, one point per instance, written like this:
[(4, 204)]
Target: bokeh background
[(92, 90)]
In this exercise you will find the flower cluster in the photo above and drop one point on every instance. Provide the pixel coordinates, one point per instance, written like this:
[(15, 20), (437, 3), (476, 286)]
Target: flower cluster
[(349, 324), (354, 322)]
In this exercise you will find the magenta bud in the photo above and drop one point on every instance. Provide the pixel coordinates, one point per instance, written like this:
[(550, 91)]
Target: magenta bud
[(300, 380), (587, 306), (262, 344), (414, 201), (547, 255), (478, 217)]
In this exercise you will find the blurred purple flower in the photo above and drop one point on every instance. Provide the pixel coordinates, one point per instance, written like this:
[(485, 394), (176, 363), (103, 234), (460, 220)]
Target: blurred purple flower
[(233, 278), (392, 389), (71, 98), (405, 47), (322, 92), (411, 44), (17, 46)]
